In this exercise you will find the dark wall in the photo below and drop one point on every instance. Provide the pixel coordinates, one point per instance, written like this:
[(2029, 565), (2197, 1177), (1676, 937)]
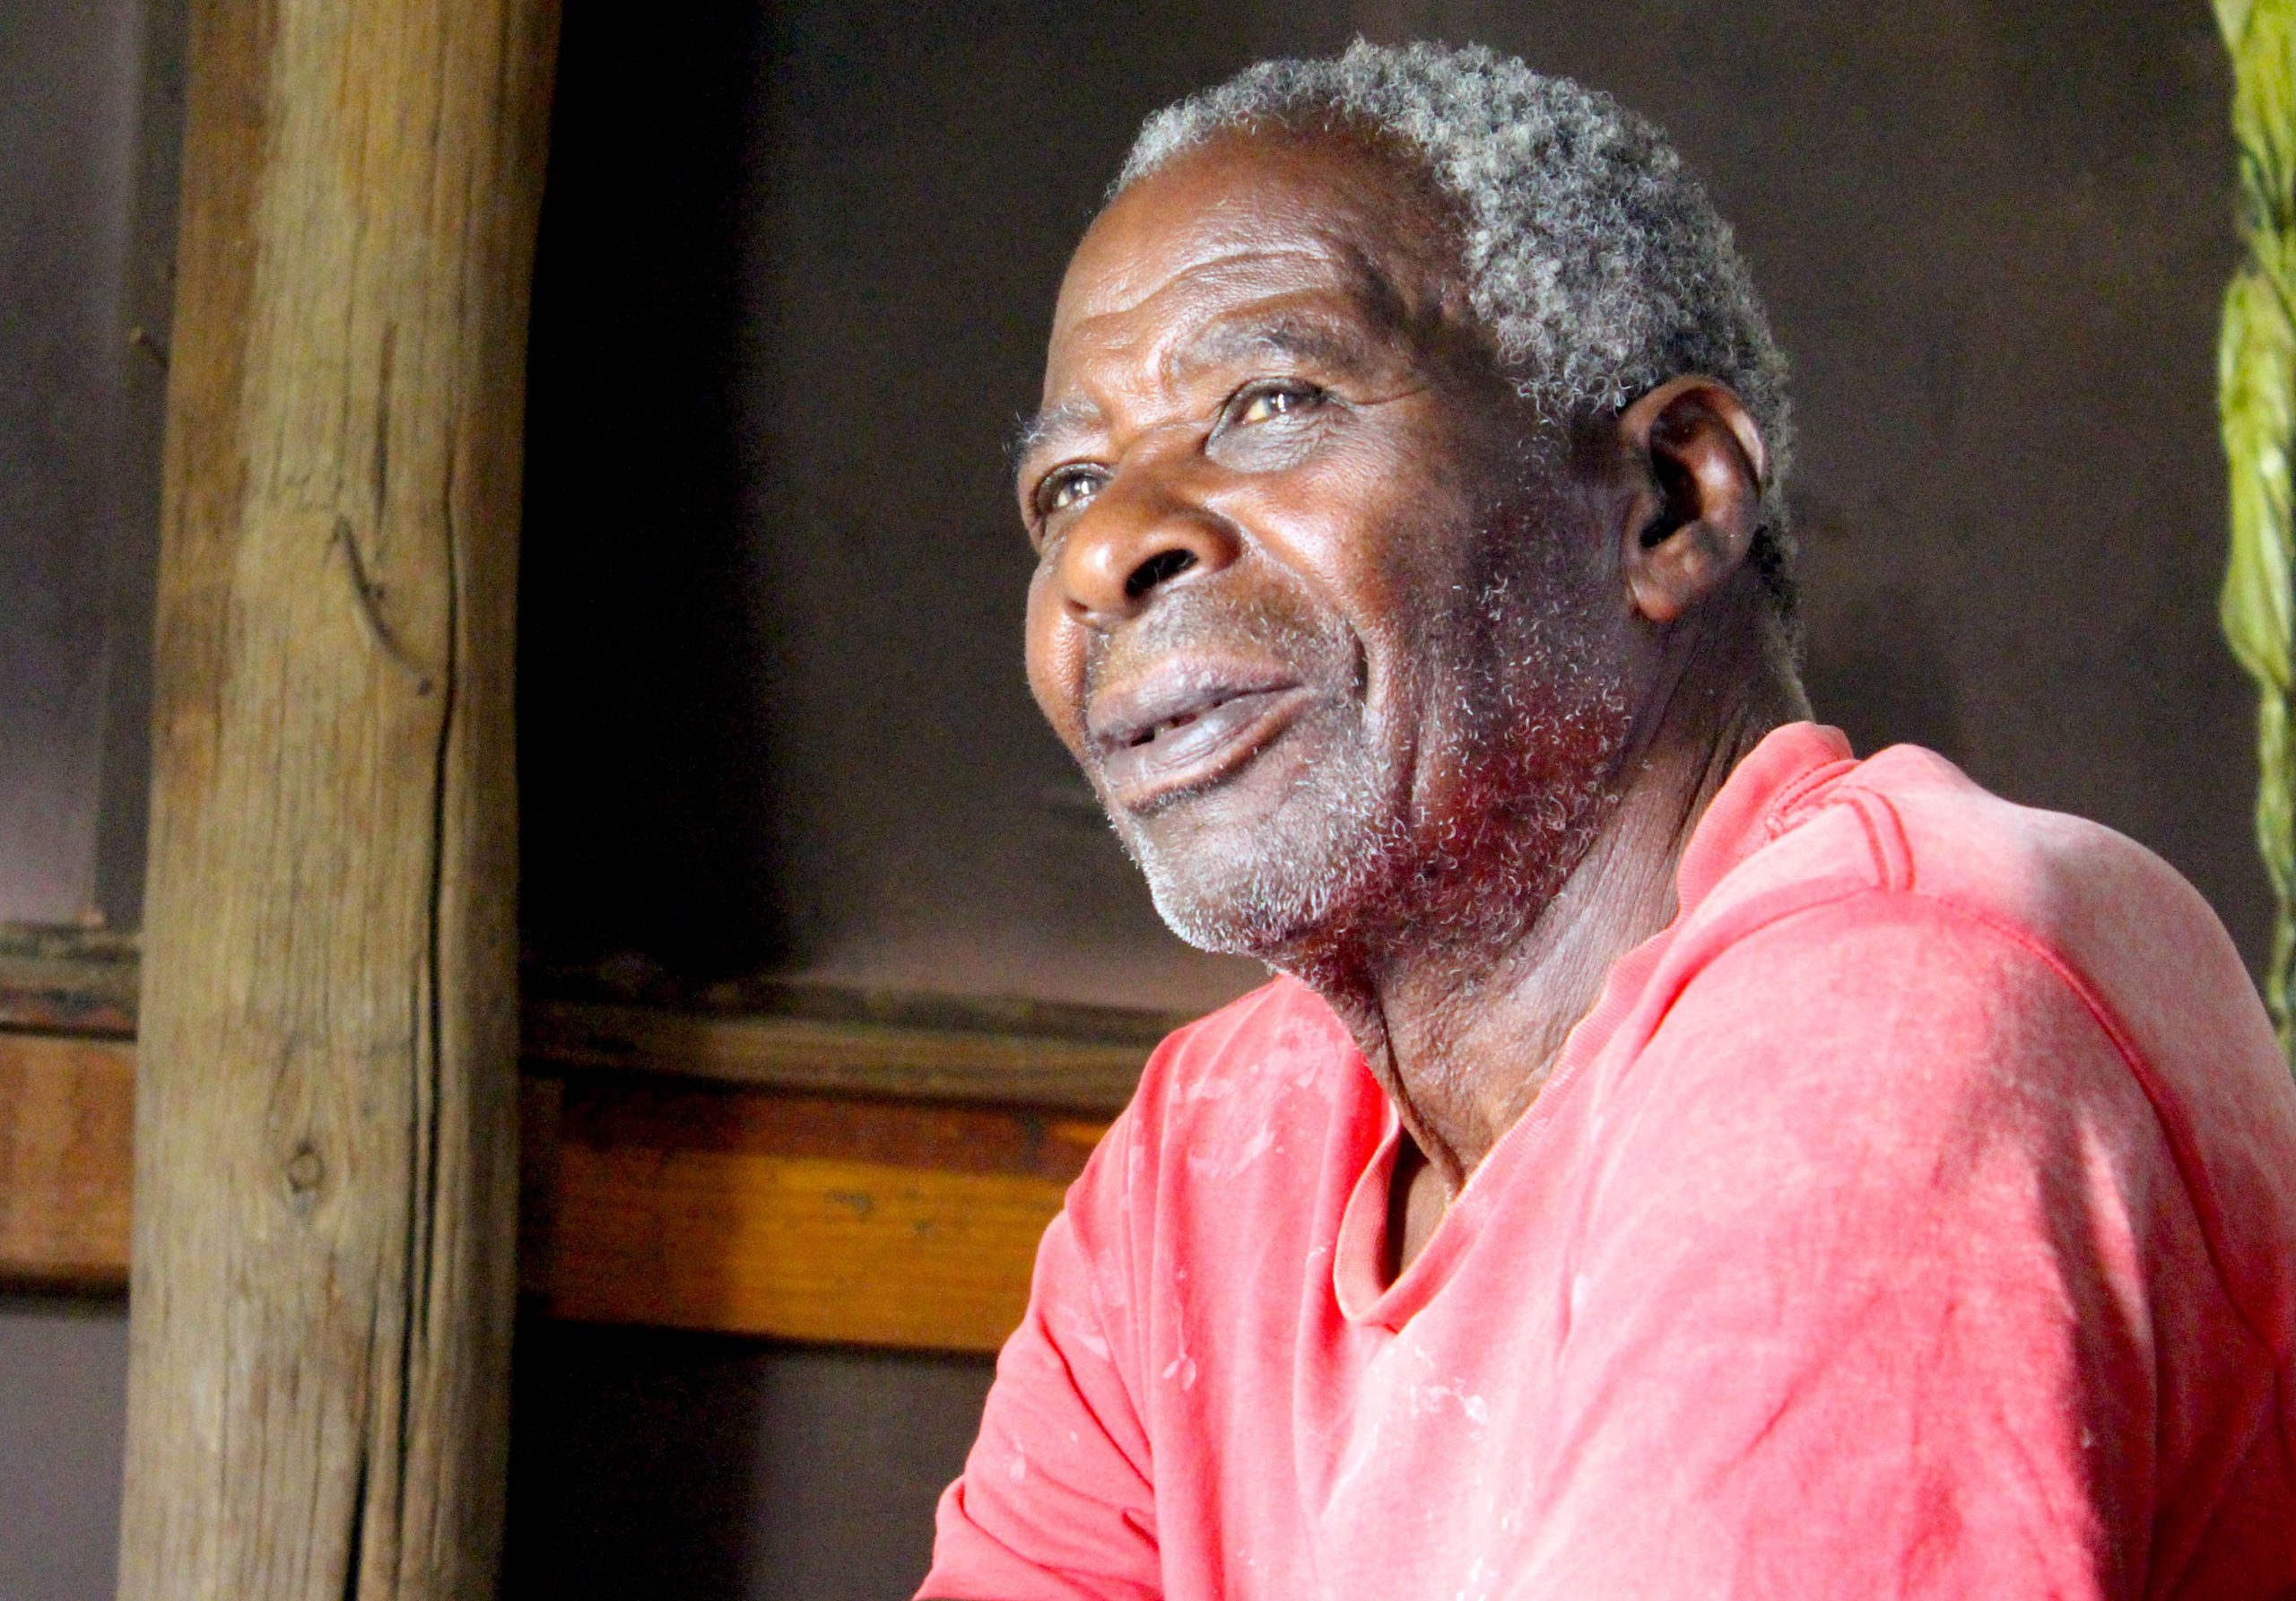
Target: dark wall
[(90, 99), (63, 1416), (648, 1464), (790, 296), (89, 94)]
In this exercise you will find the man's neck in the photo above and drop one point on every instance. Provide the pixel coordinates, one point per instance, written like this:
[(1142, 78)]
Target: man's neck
[(1463, 1039)]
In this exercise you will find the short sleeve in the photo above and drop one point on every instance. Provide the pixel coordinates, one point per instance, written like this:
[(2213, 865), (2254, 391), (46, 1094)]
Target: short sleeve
[(1861, 1301), (1056, 1502)]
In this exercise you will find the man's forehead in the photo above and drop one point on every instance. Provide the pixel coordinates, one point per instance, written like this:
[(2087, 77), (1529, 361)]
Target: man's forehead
[(1246, 207), (1241, 245), (1134, 276), (1309, 308)]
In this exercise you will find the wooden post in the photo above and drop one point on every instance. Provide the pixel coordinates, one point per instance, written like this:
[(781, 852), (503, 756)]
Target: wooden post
[(326, 1177)]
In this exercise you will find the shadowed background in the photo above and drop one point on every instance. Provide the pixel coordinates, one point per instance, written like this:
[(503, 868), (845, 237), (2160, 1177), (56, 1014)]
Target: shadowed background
[(796, 267)]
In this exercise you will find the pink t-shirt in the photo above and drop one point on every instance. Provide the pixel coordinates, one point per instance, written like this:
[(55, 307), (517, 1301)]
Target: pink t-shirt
[(1916, 1216)]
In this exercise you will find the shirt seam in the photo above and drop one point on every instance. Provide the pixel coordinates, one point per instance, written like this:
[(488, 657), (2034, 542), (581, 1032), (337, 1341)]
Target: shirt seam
[(2192, 1181), (2184, 1154), (2183, 1151), (1891, 855)]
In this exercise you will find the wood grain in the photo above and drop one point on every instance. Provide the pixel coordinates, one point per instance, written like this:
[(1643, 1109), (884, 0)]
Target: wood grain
[(864, 1057), (974, 1049), (732, 1210), (804, 1218), (326, 1186), (67, 1127)]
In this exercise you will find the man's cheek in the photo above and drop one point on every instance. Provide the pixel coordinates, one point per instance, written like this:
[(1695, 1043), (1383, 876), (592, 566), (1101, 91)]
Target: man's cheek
[(1062, 705)]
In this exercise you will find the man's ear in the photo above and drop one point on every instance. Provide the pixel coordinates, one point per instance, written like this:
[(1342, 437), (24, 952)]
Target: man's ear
[(1692, 516)]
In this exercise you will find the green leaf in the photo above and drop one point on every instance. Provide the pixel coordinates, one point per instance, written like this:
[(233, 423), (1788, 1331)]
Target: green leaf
[(2257, 397), (2257, 368), (2233, 19)]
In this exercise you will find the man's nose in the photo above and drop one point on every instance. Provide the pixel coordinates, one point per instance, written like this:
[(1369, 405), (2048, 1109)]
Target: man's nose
[(1143, 531)]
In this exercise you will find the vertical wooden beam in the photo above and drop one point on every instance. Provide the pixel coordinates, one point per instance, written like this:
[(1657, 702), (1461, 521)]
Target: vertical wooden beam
[(325, 1167)]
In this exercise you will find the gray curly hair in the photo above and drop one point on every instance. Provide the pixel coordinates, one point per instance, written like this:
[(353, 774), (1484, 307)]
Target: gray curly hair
[(1591, 253)]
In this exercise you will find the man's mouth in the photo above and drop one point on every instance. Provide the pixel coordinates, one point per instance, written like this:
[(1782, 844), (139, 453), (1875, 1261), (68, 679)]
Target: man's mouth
[(1181, 727)]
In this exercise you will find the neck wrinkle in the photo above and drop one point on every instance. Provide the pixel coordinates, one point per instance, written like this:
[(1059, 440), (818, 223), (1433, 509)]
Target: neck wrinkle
[(1463, 1041)]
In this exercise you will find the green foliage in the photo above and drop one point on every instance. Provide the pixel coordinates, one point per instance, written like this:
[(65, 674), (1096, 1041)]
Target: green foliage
[(2257, 390)]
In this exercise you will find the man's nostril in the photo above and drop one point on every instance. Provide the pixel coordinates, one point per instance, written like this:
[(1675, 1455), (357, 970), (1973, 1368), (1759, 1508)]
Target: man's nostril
[(1160, 568)]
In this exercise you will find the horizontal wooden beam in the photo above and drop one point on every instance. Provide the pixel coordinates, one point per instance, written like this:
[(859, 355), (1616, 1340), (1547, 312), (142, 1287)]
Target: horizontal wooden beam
[(803, 1162), (815, 1054), (739, 1208), (769, 1034), (807, 1217), (75, 980), (68, 1123)]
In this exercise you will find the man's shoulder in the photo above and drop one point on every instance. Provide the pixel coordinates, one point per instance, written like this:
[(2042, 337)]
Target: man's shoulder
[(1906, 823), (1905, 835), (1923, 888)]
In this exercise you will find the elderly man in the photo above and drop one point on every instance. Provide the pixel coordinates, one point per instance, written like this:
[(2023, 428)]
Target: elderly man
[(1677, 1158)]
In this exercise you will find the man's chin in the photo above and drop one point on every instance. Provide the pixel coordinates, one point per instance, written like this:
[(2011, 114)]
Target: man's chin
[(1221, 925), (1268, 895), (1259, 862)]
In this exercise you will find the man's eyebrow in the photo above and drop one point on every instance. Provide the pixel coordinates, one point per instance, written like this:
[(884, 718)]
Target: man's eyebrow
[(1032, 431)]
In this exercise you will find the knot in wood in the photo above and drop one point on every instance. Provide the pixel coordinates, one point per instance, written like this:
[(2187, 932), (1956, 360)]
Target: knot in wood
[(304, 1171)]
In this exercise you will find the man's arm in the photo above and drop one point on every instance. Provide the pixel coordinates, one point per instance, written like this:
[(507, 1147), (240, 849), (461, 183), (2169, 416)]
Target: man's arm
[(1055, 1503)]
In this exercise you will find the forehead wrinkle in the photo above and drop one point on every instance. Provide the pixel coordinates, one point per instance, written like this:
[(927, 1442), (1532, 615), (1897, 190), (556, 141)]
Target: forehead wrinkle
[(1381, 307), (1350, 270), (1170, 360), (1285, 331), (1134, 285)]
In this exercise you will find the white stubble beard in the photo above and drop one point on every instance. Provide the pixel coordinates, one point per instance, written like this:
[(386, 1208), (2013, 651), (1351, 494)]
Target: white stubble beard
[(1346, 850)]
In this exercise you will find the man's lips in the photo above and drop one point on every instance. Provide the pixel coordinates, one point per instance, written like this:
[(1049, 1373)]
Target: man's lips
[(1183, 726)]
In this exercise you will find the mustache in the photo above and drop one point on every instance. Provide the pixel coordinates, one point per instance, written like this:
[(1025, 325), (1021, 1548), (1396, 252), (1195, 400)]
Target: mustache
[(1322, 651)]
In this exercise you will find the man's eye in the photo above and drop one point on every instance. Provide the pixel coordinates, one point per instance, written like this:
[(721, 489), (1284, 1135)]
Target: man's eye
[(1064, 490), (1265, 405)]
